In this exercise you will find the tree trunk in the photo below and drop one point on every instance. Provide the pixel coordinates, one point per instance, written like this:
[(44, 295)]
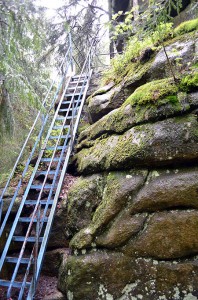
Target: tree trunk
[(136, 11), (111, 45)]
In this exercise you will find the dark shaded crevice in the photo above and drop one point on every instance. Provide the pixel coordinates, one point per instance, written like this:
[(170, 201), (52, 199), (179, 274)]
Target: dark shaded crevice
[(167, 209), (177, 163)]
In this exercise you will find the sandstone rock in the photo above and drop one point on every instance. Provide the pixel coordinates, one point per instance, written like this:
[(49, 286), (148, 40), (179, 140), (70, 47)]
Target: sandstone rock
[(180, 51), (167, 235), (128, 116), (55, 296), (94, 83), (114, 276), (165, 189), (121, 212), (171, 141), (121, 229), (58, 238), (101, 104), (119, 187), (83, 199)]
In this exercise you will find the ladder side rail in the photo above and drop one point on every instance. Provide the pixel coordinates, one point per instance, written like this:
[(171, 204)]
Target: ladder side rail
[(31, 131), (33, 258), (76, 87), (74, 108), (26, 192), (81, 106), (87, 75)]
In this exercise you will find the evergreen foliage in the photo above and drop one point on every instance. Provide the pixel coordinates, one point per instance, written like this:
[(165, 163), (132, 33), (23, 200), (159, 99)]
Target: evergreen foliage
[(23, 77)]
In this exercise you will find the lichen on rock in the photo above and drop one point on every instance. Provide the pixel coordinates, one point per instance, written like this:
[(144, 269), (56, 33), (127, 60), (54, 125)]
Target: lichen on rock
[(133, 213)]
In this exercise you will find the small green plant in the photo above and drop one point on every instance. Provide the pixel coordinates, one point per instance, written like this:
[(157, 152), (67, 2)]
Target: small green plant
[(189, 82), (151, 28)]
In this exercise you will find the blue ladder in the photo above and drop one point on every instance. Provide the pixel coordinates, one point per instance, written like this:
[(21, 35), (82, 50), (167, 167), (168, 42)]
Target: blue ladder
[(56, 126)]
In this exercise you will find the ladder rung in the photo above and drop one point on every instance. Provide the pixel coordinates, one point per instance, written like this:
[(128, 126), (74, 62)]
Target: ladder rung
[(53, 137), (39, 187), (68, 102), (57, 148), (31, 239), (83, 79), (60, 118), (77, 76), (76, 87), (46, 172), (15, 259), (28, 219), (64, 109), (46, 159), (61, 127), (80, 83), (76, 94), (15, 284), (42, 202)]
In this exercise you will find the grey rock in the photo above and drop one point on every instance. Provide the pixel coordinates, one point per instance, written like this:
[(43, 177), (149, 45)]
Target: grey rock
[(111, 275), (174, 140)]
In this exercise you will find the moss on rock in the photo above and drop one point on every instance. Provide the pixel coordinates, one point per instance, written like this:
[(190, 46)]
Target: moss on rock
[(189, 82), (111, 275), (118, 187), (164, 142), (186, 26), (84, 196), (153, 91)]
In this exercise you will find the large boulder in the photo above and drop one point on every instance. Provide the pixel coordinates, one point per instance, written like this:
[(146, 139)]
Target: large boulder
[(114, 276), (141, 240), (182, 54), (168, 142), (105, 100), (83, 199)]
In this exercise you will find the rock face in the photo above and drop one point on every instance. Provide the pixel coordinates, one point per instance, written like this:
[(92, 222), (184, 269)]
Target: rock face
[(107, 99), (133, 213)]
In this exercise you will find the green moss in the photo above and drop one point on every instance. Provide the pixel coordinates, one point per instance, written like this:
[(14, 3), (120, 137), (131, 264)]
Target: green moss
[(194, 66), (189, 82), (124, 63), (172, 99), (152, 92), (186, 26)]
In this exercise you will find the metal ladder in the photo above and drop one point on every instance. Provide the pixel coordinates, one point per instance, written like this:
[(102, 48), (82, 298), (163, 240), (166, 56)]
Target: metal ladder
[(56, 125)]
